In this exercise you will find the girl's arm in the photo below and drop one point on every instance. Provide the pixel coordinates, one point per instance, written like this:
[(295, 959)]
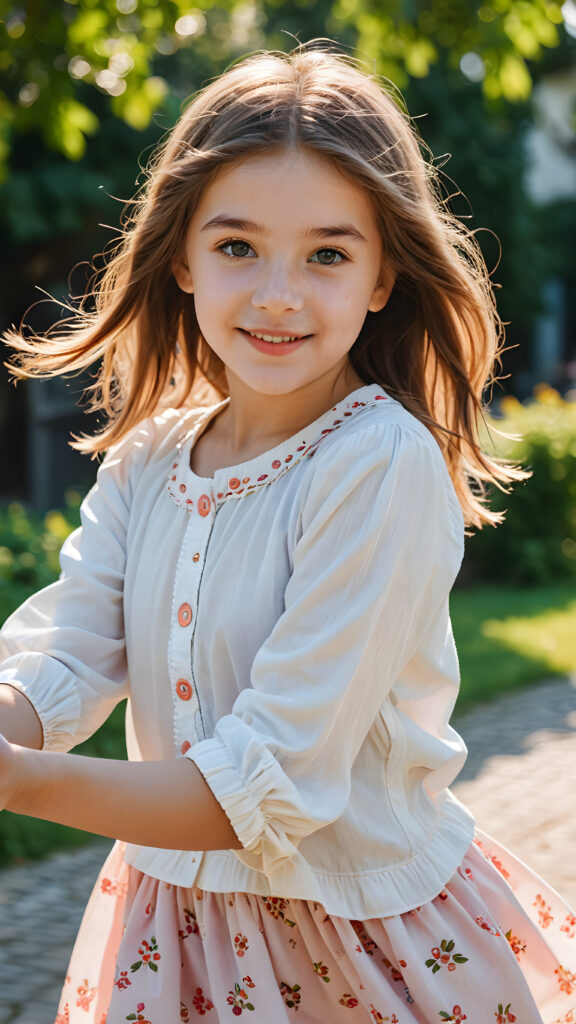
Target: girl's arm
[(150, 803), (19, 722), (64, 648)]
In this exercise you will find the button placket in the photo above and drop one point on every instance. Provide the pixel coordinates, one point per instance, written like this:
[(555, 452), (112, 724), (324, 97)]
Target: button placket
[(187, 718)]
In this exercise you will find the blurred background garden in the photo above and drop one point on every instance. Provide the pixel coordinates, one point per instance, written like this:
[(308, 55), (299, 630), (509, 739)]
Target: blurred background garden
[(88, 87)]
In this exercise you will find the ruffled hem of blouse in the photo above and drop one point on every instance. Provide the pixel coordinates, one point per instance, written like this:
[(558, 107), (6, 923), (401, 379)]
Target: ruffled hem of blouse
[(385, 892)]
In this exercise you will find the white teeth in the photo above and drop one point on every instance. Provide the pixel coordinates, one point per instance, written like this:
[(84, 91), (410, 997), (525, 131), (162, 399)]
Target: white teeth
[(275, 341)]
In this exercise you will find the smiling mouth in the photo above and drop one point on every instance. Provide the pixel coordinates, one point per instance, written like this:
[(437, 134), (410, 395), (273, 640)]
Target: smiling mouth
[(278, 340)]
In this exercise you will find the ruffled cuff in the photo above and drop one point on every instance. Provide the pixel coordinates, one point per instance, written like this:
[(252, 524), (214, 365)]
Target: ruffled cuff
[(251, 804), (55, 701)]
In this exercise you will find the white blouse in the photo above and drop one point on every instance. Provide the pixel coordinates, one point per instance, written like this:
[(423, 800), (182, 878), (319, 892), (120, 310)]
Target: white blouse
[(285, 625)]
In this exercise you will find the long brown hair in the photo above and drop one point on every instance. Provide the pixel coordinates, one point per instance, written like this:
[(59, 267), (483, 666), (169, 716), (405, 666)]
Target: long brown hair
[(435, 344)]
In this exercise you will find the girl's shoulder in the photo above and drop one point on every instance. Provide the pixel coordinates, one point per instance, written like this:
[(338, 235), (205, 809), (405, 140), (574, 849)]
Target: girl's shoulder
[(379, 430), (150, 444), (159, 434), (384, 449)]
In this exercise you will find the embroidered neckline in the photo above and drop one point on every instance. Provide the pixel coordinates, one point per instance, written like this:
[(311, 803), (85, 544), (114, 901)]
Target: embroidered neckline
[(246, 477)]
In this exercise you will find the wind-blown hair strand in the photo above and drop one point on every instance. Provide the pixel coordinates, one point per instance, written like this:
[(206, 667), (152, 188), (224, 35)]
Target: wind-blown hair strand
[(434, 346)]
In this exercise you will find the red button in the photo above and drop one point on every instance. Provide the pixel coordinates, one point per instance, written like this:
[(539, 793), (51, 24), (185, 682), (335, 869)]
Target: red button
[(185, 746), (195, 556), (185, 614), (233, 483), (183, 689), (204, 504)]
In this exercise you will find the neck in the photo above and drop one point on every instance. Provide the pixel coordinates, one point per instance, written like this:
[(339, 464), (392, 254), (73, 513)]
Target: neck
[(252, 418)]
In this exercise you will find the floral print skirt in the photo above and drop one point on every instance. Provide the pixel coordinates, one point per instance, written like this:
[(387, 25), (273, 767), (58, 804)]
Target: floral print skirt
[(496, 945)]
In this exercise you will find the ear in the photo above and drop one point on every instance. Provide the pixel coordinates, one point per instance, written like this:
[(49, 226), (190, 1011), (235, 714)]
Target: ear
[(382, 291), (181, 272)]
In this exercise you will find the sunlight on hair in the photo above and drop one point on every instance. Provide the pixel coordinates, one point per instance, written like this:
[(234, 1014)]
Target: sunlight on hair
[(436, 344)]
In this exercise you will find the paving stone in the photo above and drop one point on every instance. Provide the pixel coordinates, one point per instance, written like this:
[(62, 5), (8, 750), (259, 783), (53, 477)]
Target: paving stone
[(35, 1013), (57, 888), (517, 780)]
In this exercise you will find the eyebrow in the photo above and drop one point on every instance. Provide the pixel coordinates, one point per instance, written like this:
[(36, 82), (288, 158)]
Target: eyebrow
[(236, 224)]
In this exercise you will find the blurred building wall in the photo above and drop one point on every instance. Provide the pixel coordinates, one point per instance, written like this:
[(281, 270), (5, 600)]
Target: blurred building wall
[(551, 176)]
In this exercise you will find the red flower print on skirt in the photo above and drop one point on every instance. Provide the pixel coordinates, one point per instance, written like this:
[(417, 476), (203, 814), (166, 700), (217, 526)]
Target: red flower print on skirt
[(291, 994), (442, 956), (566, 980), (348, 1000), (544, 915), (112, 887), (276, 906), (321, 971), (191, 926), (201, 1003), (487, 926), (123, 981), (367, 944), (492, 858), (139, 1015), (457, 1015), (240, 944), (238, 999), (504, 1014), (148, 951), (84, 995), (516, 945)]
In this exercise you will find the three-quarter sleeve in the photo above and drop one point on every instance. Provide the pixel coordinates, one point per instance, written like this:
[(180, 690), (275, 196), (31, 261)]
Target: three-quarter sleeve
[(380, 544), (64, 648)]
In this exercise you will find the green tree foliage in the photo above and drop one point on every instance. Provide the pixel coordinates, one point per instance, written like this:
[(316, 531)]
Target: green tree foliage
[(536, 544), (58, 59), (407, 39)]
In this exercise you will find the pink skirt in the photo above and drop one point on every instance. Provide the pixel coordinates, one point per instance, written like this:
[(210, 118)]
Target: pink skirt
[(496, 945)]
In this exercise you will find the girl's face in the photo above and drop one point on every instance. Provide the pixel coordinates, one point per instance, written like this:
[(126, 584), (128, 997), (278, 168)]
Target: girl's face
[(283, 245)]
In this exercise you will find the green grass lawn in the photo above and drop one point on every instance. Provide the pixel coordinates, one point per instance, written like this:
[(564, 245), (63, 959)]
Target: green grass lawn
[(507, 637)]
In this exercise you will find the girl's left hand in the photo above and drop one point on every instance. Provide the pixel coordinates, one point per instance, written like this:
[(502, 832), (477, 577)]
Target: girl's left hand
[(7, 771)]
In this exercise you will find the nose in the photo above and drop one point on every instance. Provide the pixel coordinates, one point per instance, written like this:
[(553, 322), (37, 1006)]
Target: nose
[(277, 289)]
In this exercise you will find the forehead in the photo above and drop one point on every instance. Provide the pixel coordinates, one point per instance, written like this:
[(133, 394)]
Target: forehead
[(283, 185)]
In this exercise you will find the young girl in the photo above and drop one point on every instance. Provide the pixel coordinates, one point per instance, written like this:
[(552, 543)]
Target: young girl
[(267, 579)]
